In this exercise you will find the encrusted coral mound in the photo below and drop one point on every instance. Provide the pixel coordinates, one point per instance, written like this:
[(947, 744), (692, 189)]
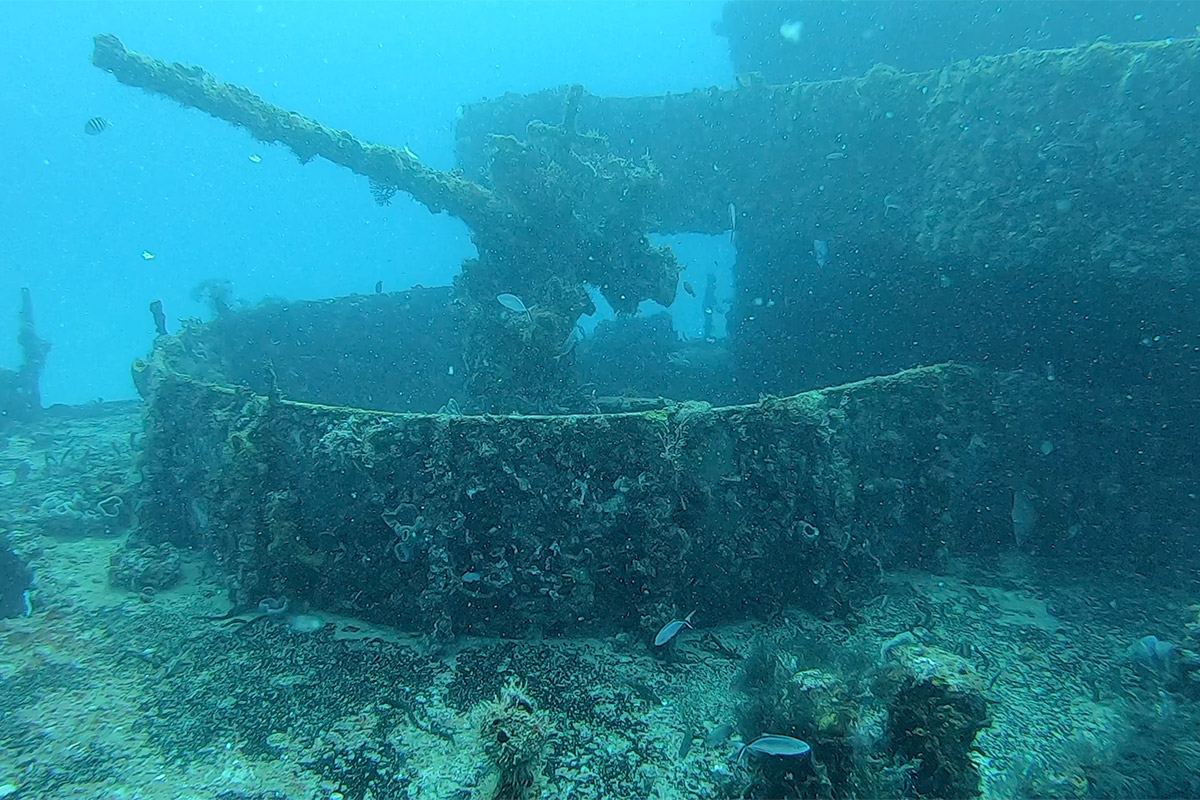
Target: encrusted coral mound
[(513, 734)]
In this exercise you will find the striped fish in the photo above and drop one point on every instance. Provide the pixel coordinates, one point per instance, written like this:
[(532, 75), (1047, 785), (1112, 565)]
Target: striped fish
[(95, 126)]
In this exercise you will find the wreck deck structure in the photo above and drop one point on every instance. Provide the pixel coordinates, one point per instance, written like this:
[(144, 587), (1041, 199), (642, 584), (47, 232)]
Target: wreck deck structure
[(1031, 217)]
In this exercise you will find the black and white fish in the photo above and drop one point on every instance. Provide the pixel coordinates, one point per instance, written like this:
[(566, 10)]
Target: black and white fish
[(95, 126)]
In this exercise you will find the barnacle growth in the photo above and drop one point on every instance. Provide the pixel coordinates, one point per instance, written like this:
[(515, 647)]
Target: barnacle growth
[(513, 734)]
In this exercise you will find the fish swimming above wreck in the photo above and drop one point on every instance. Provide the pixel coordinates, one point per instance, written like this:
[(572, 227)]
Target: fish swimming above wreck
[(96, 126), (672, 629), (514, 303)]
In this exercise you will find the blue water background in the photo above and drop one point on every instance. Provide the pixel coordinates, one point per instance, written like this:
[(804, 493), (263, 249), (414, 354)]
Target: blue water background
[(77, 211)]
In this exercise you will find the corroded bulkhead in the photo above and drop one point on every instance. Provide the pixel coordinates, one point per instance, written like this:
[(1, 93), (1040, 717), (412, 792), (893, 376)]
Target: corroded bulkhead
[(571, 524)]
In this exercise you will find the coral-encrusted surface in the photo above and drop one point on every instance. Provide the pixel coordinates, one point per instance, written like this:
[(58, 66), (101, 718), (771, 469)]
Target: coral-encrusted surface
[(397, 351), (522, 526), (991, 209)]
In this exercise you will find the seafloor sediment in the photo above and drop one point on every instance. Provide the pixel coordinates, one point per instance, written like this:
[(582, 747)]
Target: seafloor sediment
[(135, 692)]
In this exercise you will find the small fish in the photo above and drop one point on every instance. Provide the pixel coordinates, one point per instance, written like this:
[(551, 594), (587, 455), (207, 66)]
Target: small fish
[(672, 628), (410, 153), (1024, 516), (685, 746), (835, 156), (645, 691), (821, 252), (732, 222), (790, 31), (773, 744), (568, 346), (95, 126), (378, 287), (687, 287), (718, 735), (147, 255), (514, 303), (256, 159)]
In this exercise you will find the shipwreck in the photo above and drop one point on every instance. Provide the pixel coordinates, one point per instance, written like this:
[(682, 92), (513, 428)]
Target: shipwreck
[(1007, 231)]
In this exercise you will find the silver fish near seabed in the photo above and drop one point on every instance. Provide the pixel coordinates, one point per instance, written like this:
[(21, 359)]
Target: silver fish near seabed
[(718, 735), (732, 222), (773, 744), (573, 338), (685, 746), (514, 303), (821, 252), (673, 627), (1024, 516)]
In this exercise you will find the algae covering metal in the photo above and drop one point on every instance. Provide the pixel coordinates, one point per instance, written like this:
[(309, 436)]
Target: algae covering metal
[(962, 208), (948, 213), (20, 389), (529, 526), (561, 213), (398, 351)]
